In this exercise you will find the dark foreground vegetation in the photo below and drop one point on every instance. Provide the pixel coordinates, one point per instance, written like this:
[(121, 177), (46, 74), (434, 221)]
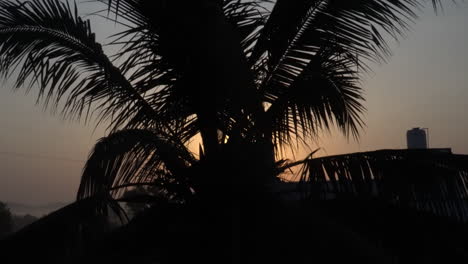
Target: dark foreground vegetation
[(250, 79)]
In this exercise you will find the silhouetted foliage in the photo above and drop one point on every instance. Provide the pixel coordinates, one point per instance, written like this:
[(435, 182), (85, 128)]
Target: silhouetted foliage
[(427, 180), (21, 221), (6, 223), (250, 78)]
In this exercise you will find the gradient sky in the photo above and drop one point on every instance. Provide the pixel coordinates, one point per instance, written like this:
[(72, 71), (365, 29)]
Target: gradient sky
[(425, 84)]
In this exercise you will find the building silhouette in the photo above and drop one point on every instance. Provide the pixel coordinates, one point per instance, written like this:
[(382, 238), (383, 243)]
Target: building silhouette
[(416, 138)]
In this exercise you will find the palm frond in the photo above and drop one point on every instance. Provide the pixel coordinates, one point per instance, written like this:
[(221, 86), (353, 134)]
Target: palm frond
[(247, 17), (134, 157), (356, 27), (47, 44), (327, 91), (342, 37), (428, 180)]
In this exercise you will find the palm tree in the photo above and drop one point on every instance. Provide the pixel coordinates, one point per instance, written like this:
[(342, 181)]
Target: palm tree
[(251, 79)]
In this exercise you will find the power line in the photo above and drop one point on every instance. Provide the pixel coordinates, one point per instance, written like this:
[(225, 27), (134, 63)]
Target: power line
[(37, 156)]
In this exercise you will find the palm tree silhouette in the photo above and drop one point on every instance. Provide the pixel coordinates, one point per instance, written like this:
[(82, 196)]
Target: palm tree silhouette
[(251, 78)]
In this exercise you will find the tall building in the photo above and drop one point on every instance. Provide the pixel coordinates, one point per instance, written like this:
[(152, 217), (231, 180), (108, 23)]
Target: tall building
[(416, 138)]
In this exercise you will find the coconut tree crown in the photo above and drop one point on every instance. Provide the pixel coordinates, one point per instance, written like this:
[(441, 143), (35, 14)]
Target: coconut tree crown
[(248, 77)]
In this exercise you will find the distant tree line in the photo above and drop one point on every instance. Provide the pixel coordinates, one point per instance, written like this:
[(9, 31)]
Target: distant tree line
[(12, 223), (6, 220)]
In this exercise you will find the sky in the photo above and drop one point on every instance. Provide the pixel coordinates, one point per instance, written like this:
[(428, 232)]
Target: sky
[(424, 84)]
